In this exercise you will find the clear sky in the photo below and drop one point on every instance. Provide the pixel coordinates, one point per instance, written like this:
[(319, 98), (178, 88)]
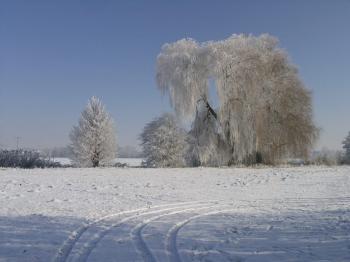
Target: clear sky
[(54, 55)]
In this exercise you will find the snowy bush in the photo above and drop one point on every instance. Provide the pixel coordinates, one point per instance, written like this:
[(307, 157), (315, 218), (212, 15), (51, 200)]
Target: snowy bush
[(24, 159), (163, 143), (327, 157), (265, 112), (94, 140)]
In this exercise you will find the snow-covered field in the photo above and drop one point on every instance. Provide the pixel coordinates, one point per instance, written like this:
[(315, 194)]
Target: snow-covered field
[(198, 214)]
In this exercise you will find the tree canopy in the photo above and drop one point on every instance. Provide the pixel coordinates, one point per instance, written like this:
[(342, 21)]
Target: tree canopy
[(265, 111)]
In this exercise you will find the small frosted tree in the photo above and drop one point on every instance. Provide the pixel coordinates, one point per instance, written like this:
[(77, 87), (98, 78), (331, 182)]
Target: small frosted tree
[(346, 146), (163, 142), (93, 140)]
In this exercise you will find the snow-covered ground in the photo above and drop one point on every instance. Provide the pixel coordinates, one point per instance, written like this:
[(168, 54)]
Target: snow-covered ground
[(198, 214)]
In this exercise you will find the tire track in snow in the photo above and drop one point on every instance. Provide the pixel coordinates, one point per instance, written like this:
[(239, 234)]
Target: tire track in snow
[(85, 251), (65, 250), (138, 239), (171, 239)]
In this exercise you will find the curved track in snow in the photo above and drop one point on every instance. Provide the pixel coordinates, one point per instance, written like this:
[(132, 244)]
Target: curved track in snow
[(171, 239), (64, 252), (278, 214), (78, 247), (186, 231)]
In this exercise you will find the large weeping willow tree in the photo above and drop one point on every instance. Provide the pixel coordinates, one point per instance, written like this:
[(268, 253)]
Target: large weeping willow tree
[(265, 111)]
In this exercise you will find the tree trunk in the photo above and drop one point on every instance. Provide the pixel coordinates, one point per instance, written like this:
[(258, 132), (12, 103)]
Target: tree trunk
[(211, 110), (95, 163)]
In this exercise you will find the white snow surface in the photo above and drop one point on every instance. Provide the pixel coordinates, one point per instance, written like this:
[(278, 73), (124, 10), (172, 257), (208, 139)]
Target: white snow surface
[(194, 214)]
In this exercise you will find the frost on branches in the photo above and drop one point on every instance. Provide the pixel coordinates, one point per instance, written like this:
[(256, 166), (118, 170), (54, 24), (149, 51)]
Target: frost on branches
[(346, 146), (265, 112), (93, 141), (206, 143), (163, 143)]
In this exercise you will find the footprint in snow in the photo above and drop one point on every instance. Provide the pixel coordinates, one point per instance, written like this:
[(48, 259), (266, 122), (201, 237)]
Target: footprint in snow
[(33, 190), (19, 195), (55, 200)]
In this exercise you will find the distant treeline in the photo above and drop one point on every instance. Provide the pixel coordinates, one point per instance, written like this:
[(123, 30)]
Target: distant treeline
[(24, 159), (66, 152)]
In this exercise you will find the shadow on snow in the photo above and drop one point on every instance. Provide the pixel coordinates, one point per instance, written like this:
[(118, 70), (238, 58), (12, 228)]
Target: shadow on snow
[(293, 236)]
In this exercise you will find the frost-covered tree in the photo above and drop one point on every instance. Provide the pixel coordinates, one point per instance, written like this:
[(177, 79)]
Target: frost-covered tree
[(265, 109), (93, 140), (163, 142), (346, 146), (265, 112)]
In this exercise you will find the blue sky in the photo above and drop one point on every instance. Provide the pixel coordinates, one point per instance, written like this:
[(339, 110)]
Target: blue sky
[(54, 55)]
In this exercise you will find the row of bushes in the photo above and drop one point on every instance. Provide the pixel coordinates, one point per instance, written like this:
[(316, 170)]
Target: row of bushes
[(33, 159), (24, 159), (329, 158)]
